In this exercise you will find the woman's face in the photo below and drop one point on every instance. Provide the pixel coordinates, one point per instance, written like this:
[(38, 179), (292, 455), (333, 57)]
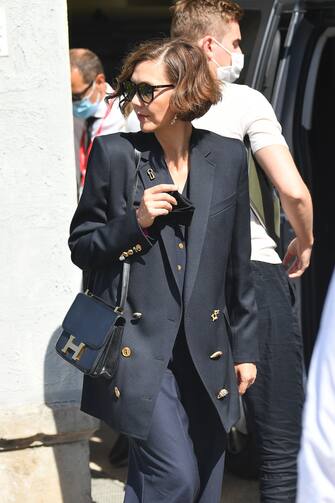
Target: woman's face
[(155, 115)]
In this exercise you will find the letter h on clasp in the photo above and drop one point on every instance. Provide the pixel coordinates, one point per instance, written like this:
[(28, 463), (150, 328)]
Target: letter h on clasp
[(78, 351)]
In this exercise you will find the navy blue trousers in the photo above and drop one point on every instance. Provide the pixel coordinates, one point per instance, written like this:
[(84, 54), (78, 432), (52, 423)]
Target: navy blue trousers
[(275, 400), (182, 460)]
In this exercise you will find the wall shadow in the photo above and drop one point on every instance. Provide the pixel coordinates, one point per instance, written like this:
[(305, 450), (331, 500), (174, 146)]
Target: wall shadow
[(62, 385)]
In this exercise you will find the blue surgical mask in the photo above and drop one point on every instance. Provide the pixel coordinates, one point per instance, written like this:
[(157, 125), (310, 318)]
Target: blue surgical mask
[(232, 72), (85, 108)]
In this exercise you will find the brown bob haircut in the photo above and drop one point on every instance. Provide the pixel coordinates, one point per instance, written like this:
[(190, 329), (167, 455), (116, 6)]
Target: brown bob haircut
[(194, 19), (186, 68)]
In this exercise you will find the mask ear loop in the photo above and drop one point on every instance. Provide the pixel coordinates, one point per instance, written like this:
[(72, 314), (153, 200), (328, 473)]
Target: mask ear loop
[(223, 47), (226, 50), (91, 92), (217, 64)]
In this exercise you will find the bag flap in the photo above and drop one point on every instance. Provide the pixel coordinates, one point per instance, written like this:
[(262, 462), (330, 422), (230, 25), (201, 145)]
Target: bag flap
[(89, 321)]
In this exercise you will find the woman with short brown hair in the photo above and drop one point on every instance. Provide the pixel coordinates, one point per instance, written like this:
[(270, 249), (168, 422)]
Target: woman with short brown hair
[(187, 237), (193, 94)]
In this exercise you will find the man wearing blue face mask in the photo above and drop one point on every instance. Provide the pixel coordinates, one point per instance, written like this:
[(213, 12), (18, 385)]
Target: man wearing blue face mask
[(92, 115), (276, 399)]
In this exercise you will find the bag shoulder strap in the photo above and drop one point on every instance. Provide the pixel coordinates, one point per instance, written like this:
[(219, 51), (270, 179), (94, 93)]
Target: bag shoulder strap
[(126, 263)]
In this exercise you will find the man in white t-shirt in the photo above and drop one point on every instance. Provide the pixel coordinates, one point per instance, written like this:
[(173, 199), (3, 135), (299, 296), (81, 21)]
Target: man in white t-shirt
[(276, 399), (92, 115), (316, 466)]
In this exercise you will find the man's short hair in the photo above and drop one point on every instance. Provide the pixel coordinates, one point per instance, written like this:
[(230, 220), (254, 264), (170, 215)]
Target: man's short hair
[(194, 19), (87, 63)]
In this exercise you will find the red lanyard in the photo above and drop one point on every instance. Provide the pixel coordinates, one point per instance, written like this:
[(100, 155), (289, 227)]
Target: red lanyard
[(85, 152)]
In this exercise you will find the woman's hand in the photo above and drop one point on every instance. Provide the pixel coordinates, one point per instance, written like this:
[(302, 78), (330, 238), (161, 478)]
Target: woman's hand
[(155, 202), (245, 375)]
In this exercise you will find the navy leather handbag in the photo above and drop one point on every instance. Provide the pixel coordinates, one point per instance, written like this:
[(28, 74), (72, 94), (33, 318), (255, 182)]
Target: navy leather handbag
[(92, 330), (91, 336)]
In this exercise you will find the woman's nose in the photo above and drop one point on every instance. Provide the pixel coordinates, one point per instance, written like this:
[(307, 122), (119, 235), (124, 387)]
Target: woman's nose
[(136, 100)]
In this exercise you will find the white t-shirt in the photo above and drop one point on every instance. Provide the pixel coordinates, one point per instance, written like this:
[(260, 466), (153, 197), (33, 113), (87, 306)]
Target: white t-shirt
[(316, 462), (244, 111)]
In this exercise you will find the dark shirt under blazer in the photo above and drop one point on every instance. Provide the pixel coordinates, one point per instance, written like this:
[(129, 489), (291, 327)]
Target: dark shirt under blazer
[(217, 275)]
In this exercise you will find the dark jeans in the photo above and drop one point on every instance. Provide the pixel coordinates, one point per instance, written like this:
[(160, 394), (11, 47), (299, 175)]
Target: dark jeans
[(275, 400)]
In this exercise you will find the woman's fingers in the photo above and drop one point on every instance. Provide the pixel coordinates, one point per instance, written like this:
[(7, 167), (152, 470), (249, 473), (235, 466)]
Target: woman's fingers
[(242, 387), (162, 204), (160, 192), (163, 196), (163, 187), (158, 196), (150, 205), (246, 375), (155, 202), (159, 211)]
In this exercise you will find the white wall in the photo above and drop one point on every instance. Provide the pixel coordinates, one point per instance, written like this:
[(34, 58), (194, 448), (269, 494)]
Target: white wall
[(37, 200)]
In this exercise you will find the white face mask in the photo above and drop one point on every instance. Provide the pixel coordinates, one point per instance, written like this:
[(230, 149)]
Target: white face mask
[(232, 72)]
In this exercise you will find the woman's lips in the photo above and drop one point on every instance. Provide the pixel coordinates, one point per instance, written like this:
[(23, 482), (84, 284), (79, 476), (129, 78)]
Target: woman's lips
[(141, 116)]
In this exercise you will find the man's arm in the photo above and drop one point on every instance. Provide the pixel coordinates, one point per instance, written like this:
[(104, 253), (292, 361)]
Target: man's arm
[(279, 166)]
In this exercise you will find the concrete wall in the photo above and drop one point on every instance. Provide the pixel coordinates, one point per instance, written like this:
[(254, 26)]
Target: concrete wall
[(38, 392)]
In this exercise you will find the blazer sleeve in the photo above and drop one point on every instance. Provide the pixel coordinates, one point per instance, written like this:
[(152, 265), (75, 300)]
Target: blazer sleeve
[(102, 229), (241, 297)]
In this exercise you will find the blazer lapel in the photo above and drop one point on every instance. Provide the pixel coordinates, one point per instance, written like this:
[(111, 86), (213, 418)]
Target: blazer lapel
[(153, 172), (201, 188)]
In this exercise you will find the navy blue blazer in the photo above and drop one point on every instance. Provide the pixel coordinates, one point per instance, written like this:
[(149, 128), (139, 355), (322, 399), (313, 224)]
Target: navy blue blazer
[(217, 276)]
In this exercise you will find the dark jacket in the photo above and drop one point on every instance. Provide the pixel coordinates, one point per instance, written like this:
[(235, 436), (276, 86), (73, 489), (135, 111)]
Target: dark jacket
[(218, 260)]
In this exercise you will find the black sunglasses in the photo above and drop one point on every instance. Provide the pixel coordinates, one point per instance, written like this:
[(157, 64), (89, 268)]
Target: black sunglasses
[(144, 91), (80, 96)]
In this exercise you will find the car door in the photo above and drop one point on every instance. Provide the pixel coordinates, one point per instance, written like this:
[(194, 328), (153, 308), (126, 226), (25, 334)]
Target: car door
[(260, 37)]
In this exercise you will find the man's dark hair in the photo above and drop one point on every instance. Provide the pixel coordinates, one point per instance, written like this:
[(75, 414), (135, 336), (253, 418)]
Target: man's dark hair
[(87, 63)]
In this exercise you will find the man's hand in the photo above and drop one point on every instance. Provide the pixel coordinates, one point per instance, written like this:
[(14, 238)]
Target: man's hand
[(245, 375), (300, 255), (155, 202), (296, 201)]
